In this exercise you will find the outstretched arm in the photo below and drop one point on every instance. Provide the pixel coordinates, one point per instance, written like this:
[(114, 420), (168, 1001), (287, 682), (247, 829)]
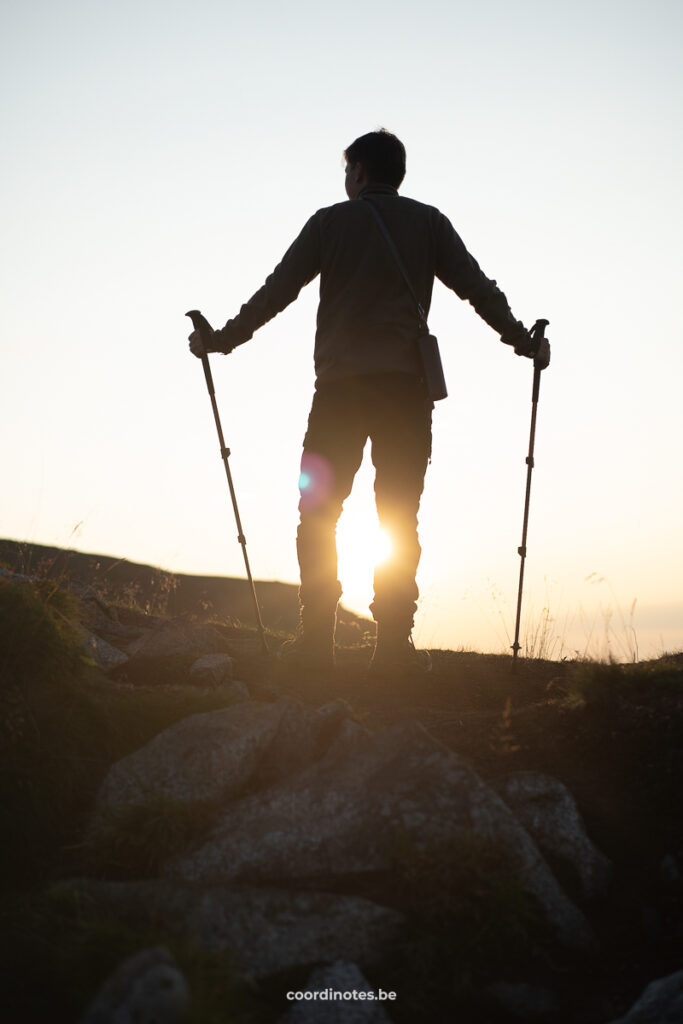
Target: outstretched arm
[(299, 265), (461, 272)]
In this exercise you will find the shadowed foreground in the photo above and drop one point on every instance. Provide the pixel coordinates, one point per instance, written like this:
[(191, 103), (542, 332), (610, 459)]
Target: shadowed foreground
[(504, 847)]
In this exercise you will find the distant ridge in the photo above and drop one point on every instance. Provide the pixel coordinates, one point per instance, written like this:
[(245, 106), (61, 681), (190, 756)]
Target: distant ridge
[(160, 592)]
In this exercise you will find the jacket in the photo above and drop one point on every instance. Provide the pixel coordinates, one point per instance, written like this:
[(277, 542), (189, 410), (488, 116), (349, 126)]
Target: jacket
[(367, 320)]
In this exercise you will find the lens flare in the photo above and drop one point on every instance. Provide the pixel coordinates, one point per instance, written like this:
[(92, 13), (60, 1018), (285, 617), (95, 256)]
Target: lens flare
[(315, 481)]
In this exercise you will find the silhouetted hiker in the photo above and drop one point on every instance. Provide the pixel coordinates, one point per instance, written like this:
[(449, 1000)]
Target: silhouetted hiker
[(368, 383)]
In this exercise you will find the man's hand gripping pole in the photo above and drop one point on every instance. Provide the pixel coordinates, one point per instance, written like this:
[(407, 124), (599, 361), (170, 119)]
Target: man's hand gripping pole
[(203, 328)]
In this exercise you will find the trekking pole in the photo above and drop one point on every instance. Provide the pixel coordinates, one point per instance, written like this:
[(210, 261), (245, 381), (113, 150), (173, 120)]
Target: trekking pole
[(537, 333), (203, 328)]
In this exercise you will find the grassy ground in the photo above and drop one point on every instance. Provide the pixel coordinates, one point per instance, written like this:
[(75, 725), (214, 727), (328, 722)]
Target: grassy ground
[(613, 734)]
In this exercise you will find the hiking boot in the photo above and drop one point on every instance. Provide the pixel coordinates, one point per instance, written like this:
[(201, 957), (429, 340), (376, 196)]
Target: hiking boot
[(395, 655), (313, 646), (312, 654)]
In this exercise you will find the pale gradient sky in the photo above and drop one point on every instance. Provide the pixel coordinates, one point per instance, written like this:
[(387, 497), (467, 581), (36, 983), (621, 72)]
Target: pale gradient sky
[(159, 157)]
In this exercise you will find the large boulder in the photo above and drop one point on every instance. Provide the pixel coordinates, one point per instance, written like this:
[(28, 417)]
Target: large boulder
[(212, 756), (549, 813), (266, 931), (348, 812), (206, 757)]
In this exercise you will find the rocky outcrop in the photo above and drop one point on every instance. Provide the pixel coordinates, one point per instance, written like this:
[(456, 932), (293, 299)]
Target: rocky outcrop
[(143, 646), (211, 757), (346, 814), (265, 930), (307, 810), (325, 800)]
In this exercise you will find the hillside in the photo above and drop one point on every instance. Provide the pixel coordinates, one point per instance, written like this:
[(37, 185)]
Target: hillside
[(159, 592)]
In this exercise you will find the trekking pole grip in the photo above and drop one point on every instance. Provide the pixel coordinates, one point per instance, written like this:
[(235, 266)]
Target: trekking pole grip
[(204, 330), (537, 332)]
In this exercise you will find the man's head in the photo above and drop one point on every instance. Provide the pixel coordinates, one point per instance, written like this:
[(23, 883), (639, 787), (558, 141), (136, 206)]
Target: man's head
[(378, 156)]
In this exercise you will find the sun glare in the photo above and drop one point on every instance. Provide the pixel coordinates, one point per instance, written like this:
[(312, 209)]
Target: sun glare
[(361, 545)]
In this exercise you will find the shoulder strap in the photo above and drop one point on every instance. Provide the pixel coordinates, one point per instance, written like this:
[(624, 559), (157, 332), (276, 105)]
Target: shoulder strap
[(399, 262)]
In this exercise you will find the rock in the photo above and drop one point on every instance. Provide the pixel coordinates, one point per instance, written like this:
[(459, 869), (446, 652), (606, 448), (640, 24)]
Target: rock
[(212, 756), (103, 653), (303, 736), (148, 988), (267, 931), (333, 996), (237, 691), (346, 814), (100, 618), (178, 636), (212, 670), (105, 656), (549, 813), (205, 757), (526, 1002), (660, 1003)]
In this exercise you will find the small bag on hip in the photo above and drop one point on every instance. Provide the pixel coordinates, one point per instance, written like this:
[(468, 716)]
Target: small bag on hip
[(430, 358)]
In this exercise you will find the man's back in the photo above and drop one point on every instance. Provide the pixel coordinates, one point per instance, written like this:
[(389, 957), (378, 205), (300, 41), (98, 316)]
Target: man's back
[(367, 318)]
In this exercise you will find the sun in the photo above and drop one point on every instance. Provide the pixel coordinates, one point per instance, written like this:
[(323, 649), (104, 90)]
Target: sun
[(361, 545)]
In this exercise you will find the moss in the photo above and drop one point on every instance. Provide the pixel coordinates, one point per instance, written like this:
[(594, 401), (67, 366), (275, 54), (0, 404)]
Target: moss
[(39, 640), (602, 686), (62, 724), (134, 841)]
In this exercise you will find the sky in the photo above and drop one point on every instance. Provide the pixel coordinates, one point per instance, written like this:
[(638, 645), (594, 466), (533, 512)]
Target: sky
[(160, 157)]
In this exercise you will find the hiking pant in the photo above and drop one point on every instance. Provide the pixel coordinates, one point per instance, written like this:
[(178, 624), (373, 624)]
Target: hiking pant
[(394, 412)]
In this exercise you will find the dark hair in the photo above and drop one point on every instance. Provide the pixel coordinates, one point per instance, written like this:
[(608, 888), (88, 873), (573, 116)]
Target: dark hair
[(382, 155)]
